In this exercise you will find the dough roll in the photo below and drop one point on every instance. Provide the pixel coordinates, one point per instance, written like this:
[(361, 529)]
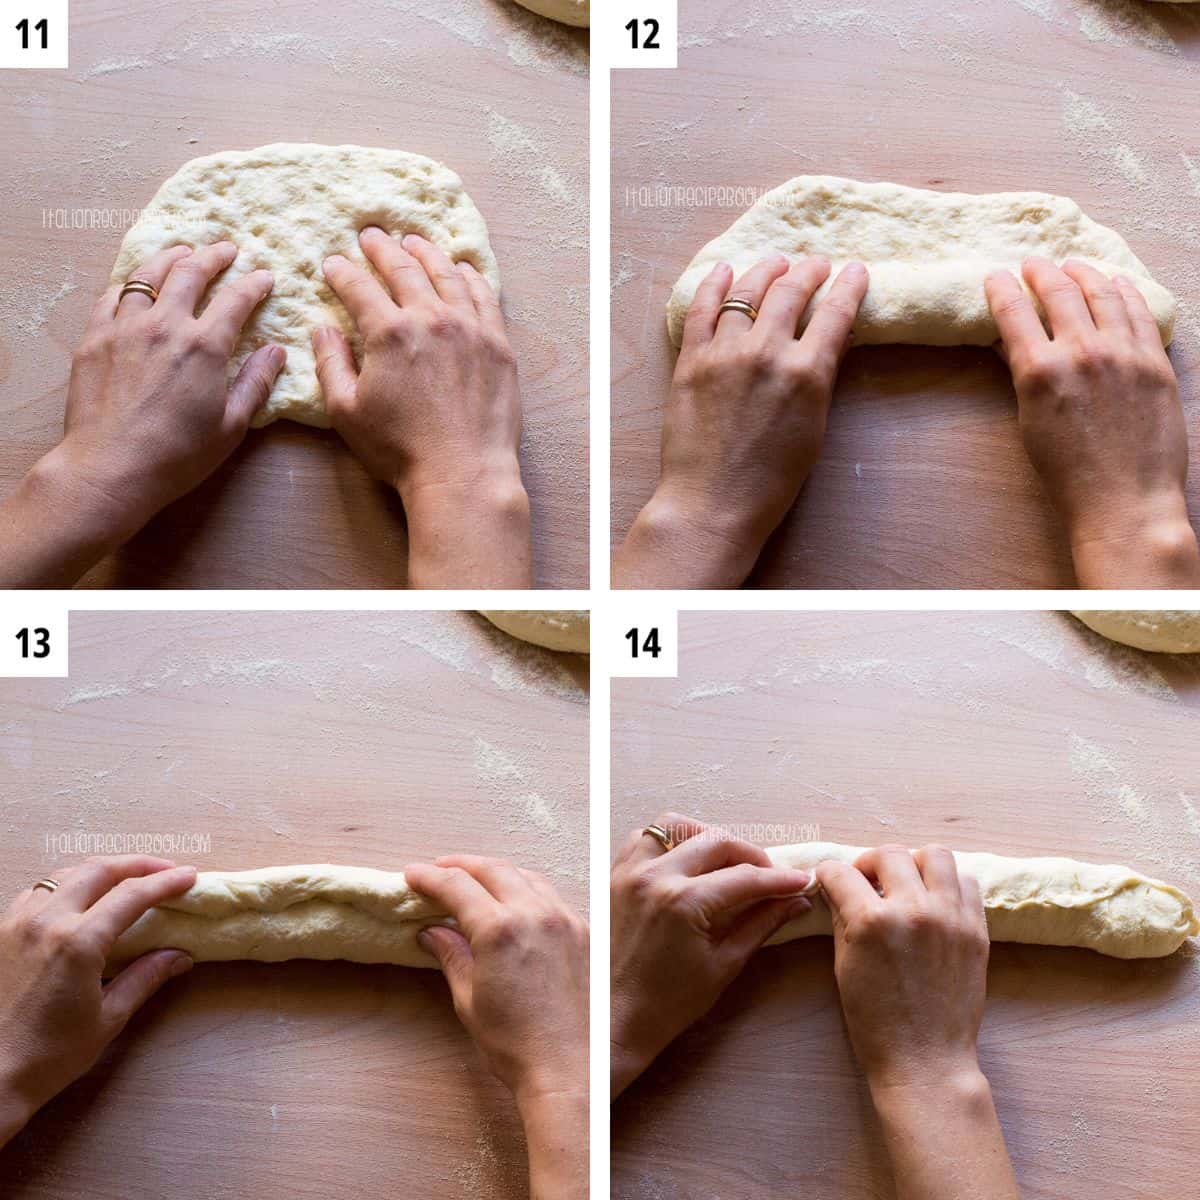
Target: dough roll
[(928, 253), (277, 913), (568, 630), (1041, 902), (1164, 632)]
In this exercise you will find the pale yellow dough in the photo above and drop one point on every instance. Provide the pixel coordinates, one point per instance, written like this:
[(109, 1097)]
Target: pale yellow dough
[(278, 913), (558, 629), (1168, 632), (928, 253), (1041, 901), (569, 12), (288, 207)]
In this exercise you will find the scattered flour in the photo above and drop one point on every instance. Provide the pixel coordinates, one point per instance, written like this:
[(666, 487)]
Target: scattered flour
[(708, 691)]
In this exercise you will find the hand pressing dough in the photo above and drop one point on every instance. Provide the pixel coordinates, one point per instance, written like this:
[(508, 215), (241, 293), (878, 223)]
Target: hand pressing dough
[(1165, 632), (927, 252), (556, 630), (1041, 902), (289, 206), (569, 12), (277, 913)]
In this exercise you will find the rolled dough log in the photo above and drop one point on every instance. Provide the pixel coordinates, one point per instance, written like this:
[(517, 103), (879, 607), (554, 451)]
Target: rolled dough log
[(1041, 902), (289, 206), (928, 252), (569, 12), (1167, 632), (559, 629), (277, 913)]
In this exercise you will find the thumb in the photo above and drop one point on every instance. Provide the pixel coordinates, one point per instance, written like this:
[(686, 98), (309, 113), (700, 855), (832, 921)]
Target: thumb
[(765, 919), (253, 385), (335, 367), (453, 953), (132, 987)]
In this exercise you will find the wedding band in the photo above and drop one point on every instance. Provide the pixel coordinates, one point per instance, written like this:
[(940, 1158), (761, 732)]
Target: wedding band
[(138, 287), (739, 306), (51, 885), (660, 835)]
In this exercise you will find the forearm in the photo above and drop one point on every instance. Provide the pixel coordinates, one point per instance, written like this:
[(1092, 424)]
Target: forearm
[(671, 545), (51, 530), (473, 535), (944, 1139), (1155, 549), (556, 1130)]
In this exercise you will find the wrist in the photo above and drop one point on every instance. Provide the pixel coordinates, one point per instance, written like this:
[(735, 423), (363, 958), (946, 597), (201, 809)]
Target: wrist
[(1154, 547), (927, 1076), (101, 501), (472, 532), (680, 541)]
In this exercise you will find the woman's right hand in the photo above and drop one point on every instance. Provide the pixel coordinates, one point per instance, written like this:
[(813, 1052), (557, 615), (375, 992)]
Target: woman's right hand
[(684, 923)]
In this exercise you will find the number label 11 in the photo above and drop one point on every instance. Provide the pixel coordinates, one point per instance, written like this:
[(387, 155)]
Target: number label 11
[(33, 35)]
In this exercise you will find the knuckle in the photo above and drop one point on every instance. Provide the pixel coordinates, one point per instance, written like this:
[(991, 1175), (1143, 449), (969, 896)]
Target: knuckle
[(155, 329), (443, 322)]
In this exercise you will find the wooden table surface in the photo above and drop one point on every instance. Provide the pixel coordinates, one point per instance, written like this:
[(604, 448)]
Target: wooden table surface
[(923, 482), (498, 94), (1019, 733), (292, 738)]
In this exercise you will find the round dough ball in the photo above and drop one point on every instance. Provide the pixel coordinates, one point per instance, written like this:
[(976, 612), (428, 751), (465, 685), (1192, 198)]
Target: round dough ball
[(1166, 632), (569, 12), (556, 629)]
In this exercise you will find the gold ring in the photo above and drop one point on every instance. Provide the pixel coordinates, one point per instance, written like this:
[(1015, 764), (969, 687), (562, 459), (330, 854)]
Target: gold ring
[(51, 885), (739, 306), (138, 287), (660, 835)]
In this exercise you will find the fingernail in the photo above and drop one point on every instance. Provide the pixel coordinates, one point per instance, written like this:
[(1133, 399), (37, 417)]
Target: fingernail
[(333, 258), (277, 356), (372, 231), (799, 907), (425, 941), (409, 238), (180, 964), (854, 270), (721, 266)]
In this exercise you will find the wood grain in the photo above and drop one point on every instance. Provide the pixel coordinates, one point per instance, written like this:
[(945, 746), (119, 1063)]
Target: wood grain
[(495, 92), (922, 481), (289, 738), (1019, 733)]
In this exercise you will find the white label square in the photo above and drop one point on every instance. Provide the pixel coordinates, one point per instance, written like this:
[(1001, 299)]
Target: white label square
[(33, 34), (33, 642), (638, 33), (641, 641)]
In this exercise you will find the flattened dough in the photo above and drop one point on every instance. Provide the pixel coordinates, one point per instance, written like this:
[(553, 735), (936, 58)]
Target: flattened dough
[(561, 629), (569, 12), (288, 206), (1167, 632), (928, 253), (1042, 902), (277, 913)]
